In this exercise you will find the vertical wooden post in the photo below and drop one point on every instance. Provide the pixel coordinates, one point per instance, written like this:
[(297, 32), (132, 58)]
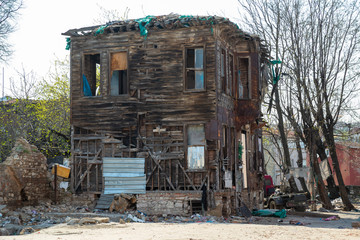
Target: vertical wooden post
[(55, 183), (72, 162)]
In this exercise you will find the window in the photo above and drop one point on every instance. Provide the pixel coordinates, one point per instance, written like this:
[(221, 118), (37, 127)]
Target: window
[(91, 75), (223, 71), (194, 73), (196, 146), (244, 78), (119, 78), (244, 158), (231, 76)]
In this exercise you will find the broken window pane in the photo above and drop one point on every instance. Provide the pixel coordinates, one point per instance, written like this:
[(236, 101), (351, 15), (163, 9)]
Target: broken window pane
[(196, 157), (190, 58), (190, 76), (119, 81)]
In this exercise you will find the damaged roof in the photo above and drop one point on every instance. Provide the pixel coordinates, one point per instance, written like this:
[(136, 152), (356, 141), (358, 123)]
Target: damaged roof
[(166, 22), (171, 21)]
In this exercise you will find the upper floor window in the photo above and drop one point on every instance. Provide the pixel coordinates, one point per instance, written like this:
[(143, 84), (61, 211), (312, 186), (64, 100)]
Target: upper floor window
[(223, 71), (194, 72), (244, 78), (119, 84), (231, 75), (91, 75)]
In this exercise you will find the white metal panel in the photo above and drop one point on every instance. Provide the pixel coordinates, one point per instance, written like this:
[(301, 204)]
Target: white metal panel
[(124, 175)]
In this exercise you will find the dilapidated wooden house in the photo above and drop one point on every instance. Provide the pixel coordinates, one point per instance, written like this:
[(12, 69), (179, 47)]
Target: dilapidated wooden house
[(168, 108)]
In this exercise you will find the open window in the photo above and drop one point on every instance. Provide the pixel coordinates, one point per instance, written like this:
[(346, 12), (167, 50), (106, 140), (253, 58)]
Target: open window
[(244, 78), (196, 146), (194, 72), (91, 75), (119, 84)]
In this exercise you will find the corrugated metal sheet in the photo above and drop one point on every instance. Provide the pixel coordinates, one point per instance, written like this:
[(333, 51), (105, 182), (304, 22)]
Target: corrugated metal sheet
[(124, 175)]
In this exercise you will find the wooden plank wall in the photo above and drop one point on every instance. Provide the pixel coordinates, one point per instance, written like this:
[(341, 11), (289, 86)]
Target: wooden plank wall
[(156, 100), (156, 80)]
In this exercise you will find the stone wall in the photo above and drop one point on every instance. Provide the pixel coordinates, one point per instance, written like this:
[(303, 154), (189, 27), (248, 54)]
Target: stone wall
[(23, 174), (183, 203)]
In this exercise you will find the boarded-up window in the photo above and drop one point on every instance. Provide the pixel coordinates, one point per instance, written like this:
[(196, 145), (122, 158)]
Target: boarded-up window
[(119, 76), (91, 75), (196, 146), (194, 78)]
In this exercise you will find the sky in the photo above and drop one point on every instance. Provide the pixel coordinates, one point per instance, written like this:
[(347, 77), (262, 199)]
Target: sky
[(37, 42)]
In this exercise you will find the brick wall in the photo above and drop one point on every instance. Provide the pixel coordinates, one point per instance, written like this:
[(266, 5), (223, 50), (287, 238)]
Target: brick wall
[(24, 176)]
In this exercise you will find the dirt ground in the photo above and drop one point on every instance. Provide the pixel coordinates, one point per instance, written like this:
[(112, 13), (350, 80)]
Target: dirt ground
[(255, 228)]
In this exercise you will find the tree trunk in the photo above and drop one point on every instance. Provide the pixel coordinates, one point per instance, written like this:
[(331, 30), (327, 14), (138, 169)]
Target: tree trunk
[(342, 190), (310, 133), (284, 143), (300, 162), (322, 154), (320, 184)]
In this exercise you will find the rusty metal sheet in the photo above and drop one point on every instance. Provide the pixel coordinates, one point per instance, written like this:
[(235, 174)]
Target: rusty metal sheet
[(119, 61)]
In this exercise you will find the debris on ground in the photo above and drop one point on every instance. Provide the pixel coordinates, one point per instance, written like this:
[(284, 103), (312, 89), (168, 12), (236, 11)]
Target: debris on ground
[(295, 222), (270, 213), (331, 218)]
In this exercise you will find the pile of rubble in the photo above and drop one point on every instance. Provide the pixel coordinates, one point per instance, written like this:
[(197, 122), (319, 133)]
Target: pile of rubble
[(30, 219)]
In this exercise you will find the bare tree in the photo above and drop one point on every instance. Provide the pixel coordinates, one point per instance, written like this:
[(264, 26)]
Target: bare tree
[(320, 42), (265, 18), (8, 11), (24, 87), (109, 15)]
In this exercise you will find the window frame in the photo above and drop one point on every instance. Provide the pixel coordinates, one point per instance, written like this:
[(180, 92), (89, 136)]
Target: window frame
[(110, 72), (223, 70), (186, 127), (185, 68), (83, 70), (249, 95)]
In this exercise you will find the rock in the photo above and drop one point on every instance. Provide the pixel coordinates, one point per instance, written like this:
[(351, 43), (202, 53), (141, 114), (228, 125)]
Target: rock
[(355, 224), (4, 232), (119, 204), (102, 219), (26, 230), (13, 229), (67, 219), (15, 220), (73, 221), (84, 221)]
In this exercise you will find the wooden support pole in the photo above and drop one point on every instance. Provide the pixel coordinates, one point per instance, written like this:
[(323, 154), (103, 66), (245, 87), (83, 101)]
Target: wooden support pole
[(55, 184)]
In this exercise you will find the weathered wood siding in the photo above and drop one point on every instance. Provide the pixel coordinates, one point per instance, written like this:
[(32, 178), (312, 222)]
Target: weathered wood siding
[(156, 69)]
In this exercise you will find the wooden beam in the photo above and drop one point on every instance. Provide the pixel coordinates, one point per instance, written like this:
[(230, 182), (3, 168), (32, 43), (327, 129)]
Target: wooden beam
[(87, 171)]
